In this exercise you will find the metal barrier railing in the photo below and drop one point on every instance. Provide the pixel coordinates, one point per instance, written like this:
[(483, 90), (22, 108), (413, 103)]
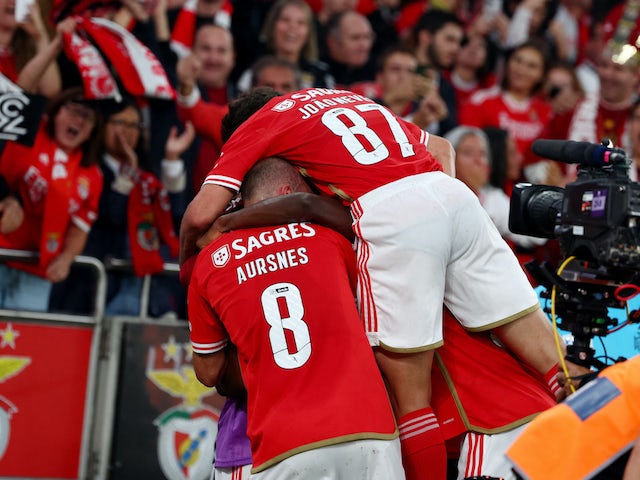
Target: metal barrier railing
[(120, 265), (25, 256), (107, 337)]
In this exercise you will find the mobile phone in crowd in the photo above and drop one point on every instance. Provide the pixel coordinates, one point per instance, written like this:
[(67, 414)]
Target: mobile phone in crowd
[(22, 9)]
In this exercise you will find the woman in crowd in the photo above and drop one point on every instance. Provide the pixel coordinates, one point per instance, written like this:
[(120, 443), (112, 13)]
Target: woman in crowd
[(474, 67), (515, 104), (58, 183), (289, 33), (134, 212)]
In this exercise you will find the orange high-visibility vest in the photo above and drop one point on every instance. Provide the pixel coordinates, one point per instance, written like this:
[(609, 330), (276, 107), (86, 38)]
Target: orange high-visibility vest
[(578, 438)]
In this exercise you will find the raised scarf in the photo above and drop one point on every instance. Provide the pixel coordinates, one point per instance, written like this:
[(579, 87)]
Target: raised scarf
[(138, 68), (96, 77)]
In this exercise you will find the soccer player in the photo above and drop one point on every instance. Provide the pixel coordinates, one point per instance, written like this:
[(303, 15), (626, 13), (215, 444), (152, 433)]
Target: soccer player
[(284, 296), (422, 238)]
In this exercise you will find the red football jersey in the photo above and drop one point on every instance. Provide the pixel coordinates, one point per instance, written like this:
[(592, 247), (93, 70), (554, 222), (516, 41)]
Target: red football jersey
[(492, 108), (284, 296), (345, 143), (480, 387)]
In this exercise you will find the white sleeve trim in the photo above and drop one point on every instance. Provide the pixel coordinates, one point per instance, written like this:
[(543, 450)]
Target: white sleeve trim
[(223, 181), (205, 348), (188, 101), (81, 224)]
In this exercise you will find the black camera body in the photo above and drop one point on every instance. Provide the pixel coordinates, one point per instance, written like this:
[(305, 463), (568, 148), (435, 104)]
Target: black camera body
[(596, 220)]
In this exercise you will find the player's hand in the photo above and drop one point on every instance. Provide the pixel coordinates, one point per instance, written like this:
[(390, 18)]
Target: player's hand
[(576, 374)]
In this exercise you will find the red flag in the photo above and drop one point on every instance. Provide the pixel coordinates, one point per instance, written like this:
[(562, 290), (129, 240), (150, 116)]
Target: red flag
[(96, 77), (139, 70)]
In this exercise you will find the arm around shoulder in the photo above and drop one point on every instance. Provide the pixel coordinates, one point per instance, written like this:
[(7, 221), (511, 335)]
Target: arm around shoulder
[(203, 210)]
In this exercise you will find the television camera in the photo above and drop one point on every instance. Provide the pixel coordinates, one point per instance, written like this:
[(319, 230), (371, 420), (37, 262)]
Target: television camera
[(596, 222)]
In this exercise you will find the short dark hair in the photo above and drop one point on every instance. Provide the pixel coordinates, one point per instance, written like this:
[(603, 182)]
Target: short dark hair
[(243, 107), (392, 50), (433, 20), (268, 61)]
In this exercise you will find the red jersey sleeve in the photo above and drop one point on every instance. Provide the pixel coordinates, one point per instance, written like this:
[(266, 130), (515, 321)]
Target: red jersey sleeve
[(206, 119), (208, 334)]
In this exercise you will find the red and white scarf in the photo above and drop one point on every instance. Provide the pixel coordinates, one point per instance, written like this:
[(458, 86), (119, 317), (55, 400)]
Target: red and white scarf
[(51, 179), (96, 77), (139, 70), (149, 222)]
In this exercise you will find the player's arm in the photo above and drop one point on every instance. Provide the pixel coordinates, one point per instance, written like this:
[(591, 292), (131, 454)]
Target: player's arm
[(231, 382), (439, 147), (443, 152), (203, 210), (295, 207), (210, 367)]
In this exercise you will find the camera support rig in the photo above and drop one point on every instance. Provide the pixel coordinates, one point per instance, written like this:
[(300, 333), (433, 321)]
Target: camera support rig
[(584, 294)]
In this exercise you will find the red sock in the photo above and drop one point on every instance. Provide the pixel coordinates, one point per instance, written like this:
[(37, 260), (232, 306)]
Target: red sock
[(551, 377), (424, 455)]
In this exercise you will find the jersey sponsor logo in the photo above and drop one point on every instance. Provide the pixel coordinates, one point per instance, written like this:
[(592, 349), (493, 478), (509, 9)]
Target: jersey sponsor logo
[(221, 256), (312, 93), (284, 105), (244, 246), (523, 130)]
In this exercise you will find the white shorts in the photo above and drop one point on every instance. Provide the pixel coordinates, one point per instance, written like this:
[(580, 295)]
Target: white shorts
[(424, 240), (357, 460), (485, 454)]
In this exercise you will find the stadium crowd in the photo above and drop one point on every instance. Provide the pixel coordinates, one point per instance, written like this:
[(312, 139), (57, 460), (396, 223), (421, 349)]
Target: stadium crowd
[(136, 93)]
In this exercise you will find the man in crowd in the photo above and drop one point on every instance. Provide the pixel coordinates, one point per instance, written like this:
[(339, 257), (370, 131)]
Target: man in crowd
[(436, 40), (349, 41)]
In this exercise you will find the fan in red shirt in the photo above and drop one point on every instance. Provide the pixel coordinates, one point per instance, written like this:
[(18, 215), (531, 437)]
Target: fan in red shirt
[(515, 105), (59, 183)]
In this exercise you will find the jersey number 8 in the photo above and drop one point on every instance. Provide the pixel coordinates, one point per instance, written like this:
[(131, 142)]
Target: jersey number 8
[(294, 322)]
